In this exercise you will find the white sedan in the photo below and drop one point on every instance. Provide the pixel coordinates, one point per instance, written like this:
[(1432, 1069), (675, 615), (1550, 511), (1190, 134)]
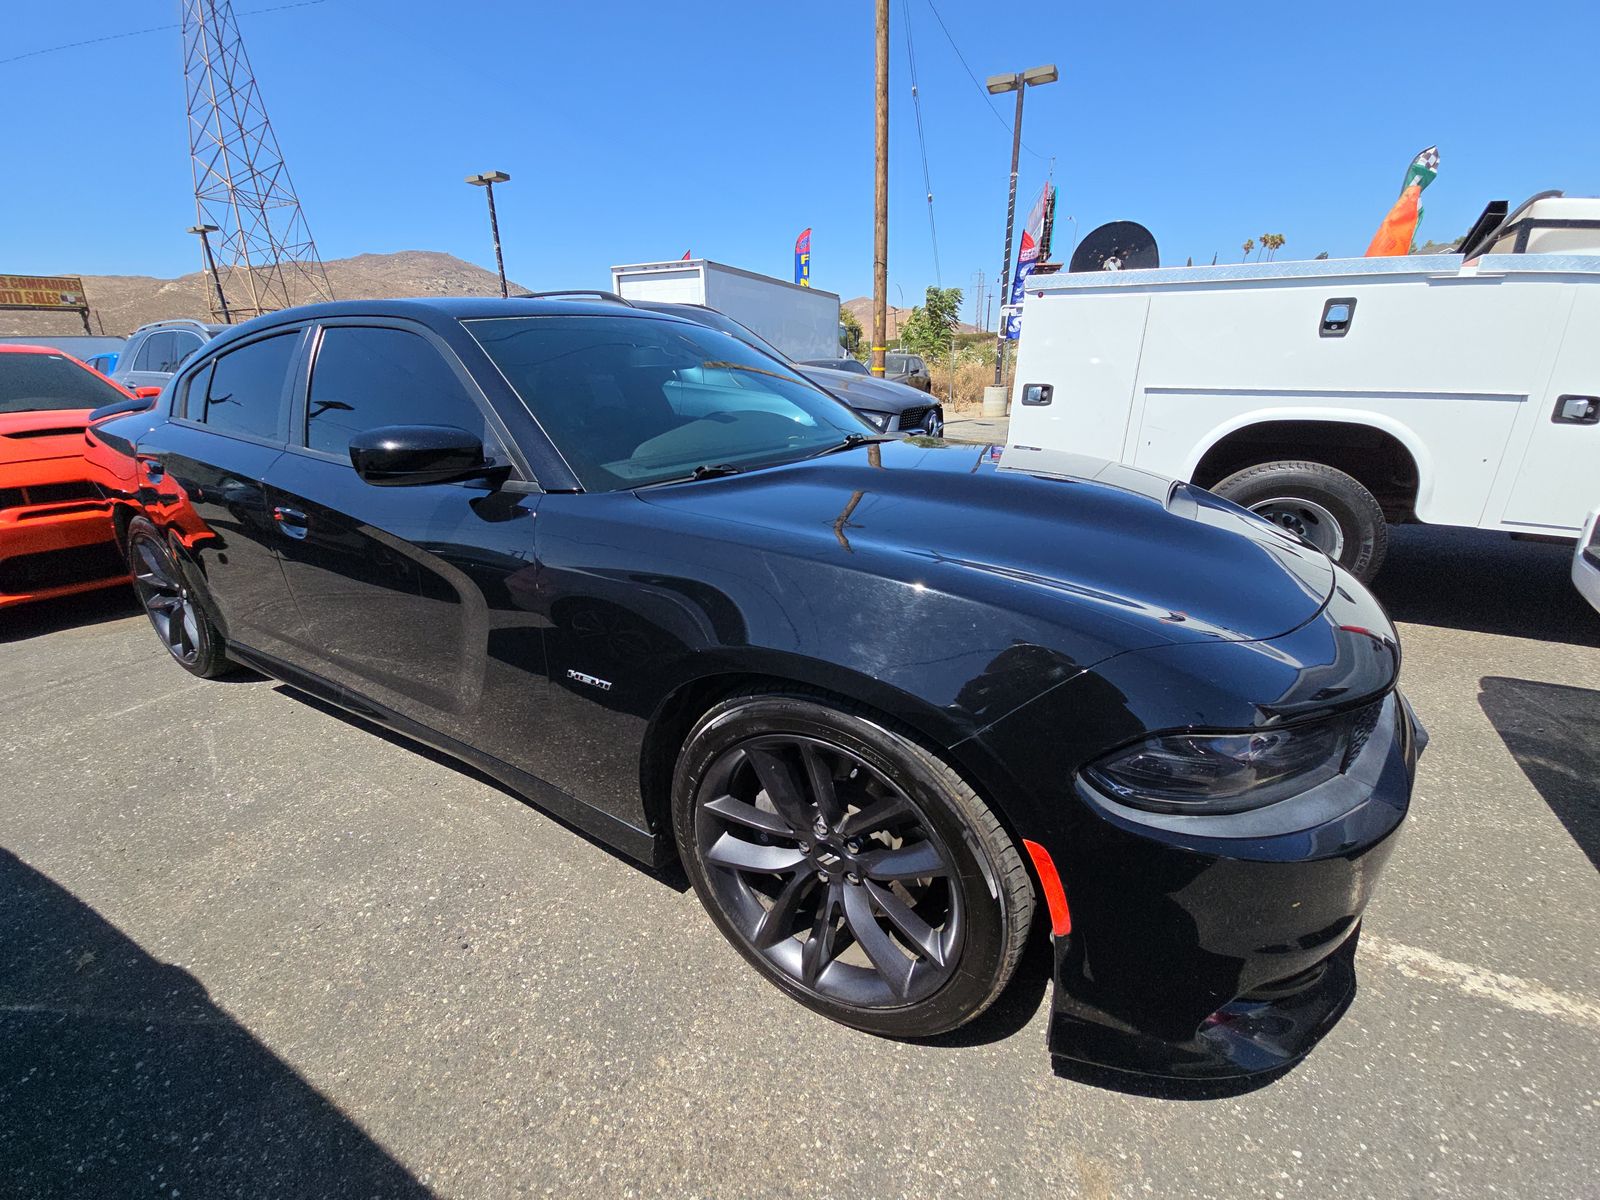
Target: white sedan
[(1586, 561)]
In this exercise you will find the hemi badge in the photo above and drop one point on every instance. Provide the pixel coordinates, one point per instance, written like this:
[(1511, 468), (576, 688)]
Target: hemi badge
[(603, 684)]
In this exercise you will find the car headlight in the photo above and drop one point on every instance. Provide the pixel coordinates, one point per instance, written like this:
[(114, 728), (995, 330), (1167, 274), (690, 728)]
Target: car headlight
[(1230, 772), (879, 419)]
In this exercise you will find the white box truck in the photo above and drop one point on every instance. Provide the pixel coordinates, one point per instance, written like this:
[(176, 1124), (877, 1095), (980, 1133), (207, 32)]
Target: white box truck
[(803, 322), (1334, 396)]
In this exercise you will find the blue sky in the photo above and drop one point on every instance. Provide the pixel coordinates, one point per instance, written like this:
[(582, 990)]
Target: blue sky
[(636, 131)]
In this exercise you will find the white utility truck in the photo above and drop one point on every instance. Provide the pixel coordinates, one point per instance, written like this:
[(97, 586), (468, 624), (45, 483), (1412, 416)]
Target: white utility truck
[(1334, 396), (803, 322)]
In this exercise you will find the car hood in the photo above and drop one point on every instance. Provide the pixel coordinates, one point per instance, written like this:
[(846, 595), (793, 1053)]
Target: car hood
[(30, 436), (863, 391), (1043, 532)]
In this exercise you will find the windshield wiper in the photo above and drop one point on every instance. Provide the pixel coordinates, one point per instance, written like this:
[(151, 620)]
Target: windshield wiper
[(854, 439), (703, 471)]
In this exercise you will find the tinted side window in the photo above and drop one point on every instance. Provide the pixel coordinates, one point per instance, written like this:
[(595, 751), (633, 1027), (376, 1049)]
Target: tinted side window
[(154, 350), (179, 348), (244, 392), (365, 378)]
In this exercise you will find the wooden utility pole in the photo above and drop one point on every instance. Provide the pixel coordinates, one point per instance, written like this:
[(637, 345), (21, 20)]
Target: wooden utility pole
[(880, 196)]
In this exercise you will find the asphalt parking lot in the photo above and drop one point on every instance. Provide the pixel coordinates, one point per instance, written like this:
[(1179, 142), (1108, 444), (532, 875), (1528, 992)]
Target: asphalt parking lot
[(249, 946)]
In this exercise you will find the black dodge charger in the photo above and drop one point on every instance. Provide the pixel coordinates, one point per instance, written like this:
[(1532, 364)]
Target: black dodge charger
[(897, 705)]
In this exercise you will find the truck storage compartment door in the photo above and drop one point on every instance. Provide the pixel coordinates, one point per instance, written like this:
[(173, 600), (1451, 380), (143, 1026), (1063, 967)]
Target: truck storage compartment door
[(1086, 346), (1559, 480)]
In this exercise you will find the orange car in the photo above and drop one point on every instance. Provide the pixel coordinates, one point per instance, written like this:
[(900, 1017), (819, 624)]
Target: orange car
[(56, 535)]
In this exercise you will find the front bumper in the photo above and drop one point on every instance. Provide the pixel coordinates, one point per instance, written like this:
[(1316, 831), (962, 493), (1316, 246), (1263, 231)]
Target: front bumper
[(1230, 956), (56, 534)]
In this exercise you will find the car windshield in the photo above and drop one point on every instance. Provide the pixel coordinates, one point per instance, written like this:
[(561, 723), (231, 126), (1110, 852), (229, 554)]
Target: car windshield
[(631, 401), (716, 320), (50, 382)]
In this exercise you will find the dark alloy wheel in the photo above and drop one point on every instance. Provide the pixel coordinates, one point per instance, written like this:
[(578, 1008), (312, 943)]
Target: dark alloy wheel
[(179, 621), (838, 857)]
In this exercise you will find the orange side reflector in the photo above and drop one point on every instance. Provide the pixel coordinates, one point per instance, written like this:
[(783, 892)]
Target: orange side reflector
[(1055, 895)]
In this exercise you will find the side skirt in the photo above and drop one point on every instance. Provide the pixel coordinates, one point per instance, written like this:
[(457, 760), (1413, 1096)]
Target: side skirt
[(638, 844)]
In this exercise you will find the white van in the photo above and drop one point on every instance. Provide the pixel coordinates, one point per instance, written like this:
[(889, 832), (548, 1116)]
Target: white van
[(1334, 396)]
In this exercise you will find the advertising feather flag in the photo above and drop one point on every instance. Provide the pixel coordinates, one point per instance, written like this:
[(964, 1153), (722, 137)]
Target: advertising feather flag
[(802, 259), (1399, 228)]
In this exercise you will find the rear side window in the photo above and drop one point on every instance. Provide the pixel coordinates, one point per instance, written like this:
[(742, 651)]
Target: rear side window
[(181, 346), (156, 348), (244, 389), (368, 377)]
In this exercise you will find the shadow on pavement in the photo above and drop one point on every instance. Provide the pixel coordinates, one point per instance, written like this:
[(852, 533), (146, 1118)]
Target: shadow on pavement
[(1550, 731), (1484, 582), (672, 875), (49, 616), (119, 1077)]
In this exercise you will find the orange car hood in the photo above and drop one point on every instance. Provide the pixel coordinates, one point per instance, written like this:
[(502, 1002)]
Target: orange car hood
[(30, 436)]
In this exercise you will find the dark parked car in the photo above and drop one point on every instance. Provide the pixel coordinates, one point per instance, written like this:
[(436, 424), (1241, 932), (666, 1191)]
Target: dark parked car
[(891, 407), (909, 369), (884, 698)]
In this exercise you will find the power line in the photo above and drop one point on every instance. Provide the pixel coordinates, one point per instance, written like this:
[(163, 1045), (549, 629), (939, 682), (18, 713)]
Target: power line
[(922, 141), (976, 82), (113, 37)]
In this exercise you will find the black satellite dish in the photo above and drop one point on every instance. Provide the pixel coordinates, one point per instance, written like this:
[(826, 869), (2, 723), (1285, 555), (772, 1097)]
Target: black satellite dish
[(1116, 246)]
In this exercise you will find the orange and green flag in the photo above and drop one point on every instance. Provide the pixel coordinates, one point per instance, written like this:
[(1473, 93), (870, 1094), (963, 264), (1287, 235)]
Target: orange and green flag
[(1399, 228)]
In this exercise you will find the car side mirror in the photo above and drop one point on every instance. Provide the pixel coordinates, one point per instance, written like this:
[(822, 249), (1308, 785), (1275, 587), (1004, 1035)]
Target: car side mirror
[(410, 455), (146, 393)]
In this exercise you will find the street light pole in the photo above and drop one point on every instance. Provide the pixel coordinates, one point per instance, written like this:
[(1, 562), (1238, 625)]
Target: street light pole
[(211, 265), (486, 180), (998, 84)]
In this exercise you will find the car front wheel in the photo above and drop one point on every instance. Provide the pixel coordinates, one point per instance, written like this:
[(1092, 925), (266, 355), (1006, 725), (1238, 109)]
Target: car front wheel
[(851, 866), (182, 625)]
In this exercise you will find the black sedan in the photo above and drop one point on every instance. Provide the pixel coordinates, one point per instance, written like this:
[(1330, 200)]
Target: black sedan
[(894, 704)]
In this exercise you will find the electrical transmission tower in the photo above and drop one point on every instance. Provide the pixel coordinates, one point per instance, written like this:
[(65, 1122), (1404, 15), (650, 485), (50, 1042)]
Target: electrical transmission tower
[(264, 256)]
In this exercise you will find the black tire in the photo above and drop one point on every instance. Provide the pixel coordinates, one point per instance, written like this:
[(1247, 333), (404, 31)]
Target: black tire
[(175, 612), (974, 911), (1362, 533)]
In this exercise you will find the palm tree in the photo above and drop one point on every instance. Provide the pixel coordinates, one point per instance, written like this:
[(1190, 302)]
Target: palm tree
[(1272, 241), (1249, 245)]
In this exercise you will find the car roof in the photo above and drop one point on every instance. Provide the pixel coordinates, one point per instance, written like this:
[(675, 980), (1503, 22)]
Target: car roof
[(9, 348), (181, 323), (458, 308)]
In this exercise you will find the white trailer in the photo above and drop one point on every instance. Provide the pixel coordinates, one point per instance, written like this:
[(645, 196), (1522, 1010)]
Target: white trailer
[(1333, 396), (803, 322)]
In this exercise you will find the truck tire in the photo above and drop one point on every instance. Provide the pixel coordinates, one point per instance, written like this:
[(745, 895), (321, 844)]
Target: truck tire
[(1328, 508)]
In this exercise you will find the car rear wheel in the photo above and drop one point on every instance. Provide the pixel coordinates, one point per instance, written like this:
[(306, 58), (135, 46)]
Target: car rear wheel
[(179, 621), (1330, 509), (852, 867)]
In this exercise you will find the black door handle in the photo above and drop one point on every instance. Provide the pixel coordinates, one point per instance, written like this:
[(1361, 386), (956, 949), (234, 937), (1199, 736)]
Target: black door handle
[(152, 467)]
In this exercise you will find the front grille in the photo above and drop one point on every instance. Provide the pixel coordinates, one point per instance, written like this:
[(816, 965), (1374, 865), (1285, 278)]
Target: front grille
[(47, 493), (61, 431), (912, 418), (1362, 723), (57, 568)]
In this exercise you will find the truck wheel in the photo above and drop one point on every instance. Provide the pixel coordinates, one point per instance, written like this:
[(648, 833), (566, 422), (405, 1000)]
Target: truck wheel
[(1330, 509)]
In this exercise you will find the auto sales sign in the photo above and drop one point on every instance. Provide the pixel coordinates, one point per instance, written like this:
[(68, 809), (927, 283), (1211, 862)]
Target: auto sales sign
[(63, 292)]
